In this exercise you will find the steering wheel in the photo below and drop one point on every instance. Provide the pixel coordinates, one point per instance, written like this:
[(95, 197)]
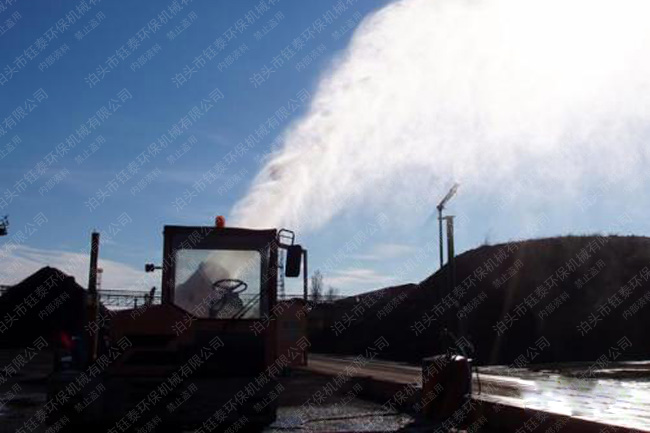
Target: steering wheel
[(228, 302), (230, 285)]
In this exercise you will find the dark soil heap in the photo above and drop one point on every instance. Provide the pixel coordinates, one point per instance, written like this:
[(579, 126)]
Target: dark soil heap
[(43, 304), (576, 298)]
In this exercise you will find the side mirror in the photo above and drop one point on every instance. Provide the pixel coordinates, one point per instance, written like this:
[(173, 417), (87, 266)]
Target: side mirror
[(294, 257), (150, 267)]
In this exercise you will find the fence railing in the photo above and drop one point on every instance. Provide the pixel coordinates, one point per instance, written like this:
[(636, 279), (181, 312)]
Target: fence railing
[(320, 299), (134, 298), (117, 297), (127, 298)]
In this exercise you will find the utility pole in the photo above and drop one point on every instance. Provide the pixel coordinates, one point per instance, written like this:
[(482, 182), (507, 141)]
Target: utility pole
[(305, 276), (93, 296), (440, 232), (94, 254), (451, 260), (440, 207), (451, 269)]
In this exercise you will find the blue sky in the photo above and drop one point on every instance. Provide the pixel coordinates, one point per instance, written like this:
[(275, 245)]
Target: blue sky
[(157, 103), (93, 87)]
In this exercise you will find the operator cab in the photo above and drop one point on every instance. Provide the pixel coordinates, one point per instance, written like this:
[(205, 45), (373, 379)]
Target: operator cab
[(222, 272)]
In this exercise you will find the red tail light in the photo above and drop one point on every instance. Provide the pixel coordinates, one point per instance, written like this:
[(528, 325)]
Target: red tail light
[(66, 341)]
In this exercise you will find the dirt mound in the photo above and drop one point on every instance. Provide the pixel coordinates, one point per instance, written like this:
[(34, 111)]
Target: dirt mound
[(43, 304), (547, 300)]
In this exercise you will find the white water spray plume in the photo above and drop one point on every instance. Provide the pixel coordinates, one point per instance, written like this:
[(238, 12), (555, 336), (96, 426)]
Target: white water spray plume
[(481, 92)]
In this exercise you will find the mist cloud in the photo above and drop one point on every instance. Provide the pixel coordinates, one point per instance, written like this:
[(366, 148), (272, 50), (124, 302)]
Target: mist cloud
[(481, 92)]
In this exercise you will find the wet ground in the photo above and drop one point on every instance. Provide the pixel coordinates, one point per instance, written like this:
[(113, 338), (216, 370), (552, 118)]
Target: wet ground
[(342, 411), (29, 382), (618, 395)]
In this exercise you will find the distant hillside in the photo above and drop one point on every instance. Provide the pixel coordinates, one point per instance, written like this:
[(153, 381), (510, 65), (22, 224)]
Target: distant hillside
[(581, 294)]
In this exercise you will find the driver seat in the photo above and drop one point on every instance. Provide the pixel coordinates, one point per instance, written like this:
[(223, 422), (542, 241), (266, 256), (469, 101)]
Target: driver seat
[(226, 305)]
